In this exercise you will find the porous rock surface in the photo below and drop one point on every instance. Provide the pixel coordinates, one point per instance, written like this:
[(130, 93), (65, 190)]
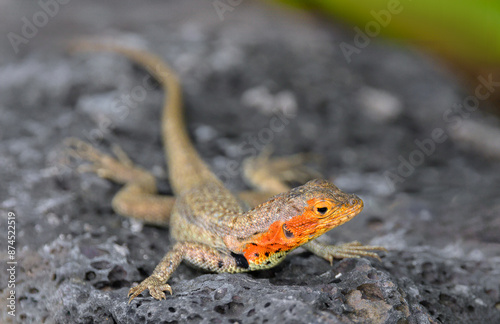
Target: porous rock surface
[(77, 259)]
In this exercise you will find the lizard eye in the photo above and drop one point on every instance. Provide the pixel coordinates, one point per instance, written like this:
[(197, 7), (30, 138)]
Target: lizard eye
[(322, 210), (287, 232)]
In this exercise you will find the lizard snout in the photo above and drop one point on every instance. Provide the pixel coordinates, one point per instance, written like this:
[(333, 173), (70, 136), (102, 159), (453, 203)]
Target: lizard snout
[(354, 202)]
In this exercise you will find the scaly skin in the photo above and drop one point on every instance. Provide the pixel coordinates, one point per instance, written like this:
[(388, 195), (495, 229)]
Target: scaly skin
[(208, 223)]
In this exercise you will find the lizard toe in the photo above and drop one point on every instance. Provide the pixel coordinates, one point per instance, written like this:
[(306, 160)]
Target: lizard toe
[(135, 291), (155, 287)]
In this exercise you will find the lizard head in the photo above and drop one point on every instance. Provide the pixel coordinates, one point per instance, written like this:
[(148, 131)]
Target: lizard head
[(296, 217)]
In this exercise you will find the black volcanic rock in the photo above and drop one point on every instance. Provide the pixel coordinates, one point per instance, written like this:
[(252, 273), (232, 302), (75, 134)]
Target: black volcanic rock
[(369, 120)]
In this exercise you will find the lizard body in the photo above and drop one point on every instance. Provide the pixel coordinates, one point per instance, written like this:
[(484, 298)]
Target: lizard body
[(209, 225)]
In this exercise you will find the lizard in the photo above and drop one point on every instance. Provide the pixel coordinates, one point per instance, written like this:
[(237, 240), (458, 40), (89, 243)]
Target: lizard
[(211, 227)]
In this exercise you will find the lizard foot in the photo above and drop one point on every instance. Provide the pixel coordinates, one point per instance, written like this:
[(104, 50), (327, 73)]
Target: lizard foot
[(155, 286), (263, 169), (120, 169), (351, 250)]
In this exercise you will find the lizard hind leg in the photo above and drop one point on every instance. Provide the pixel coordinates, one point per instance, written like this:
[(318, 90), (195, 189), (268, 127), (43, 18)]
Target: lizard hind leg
[(271, 175), (138, 198), (120, 169)]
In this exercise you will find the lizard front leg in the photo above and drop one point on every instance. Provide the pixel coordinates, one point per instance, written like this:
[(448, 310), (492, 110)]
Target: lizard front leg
[(138, 198), (197, 254), (342, 251)]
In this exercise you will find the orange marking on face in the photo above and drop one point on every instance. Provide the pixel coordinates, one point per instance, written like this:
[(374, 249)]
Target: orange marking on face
[(318, 217)]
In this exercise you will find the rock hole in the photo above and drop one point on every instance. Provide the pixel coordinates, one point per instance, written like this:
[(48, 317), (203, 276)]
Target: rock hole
[(232, 308), (100, 265), (427, 266), (267, 305), (220, 309), (447, 300), (120, 284), (117, 274), (427, 305), (90, 275), (33, 291), (171, 310), (91, 251)]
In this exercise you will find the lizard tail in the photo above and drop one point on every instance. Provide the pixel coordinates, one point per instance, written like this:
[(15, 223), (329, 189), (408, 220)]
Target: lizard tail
[(186, 168)]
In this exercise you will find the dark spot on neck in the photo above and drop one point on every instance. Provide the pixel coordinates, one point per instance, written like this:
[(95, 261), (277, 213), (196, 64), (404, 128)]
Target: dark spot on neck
[(240, 259)]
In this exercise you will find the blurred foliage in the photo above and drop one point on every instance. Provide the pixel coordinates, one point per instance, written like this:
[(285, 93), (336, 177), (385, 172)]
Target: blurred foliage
[(464, 31)]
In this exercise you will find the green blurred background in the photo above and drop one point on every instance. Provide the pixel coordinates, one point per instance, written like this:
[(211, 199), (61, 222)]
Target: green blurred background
[(465, 34)]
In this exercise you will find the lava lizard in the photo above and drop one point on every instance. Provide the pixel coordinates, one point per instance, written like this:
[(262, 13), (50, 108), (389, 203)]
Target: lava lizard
[(210, 226)]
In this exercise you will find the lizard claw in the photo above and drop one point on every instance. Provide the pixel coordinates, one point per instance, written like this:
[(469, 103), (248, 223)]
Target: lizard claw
[(154, 285), (100, 163)]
